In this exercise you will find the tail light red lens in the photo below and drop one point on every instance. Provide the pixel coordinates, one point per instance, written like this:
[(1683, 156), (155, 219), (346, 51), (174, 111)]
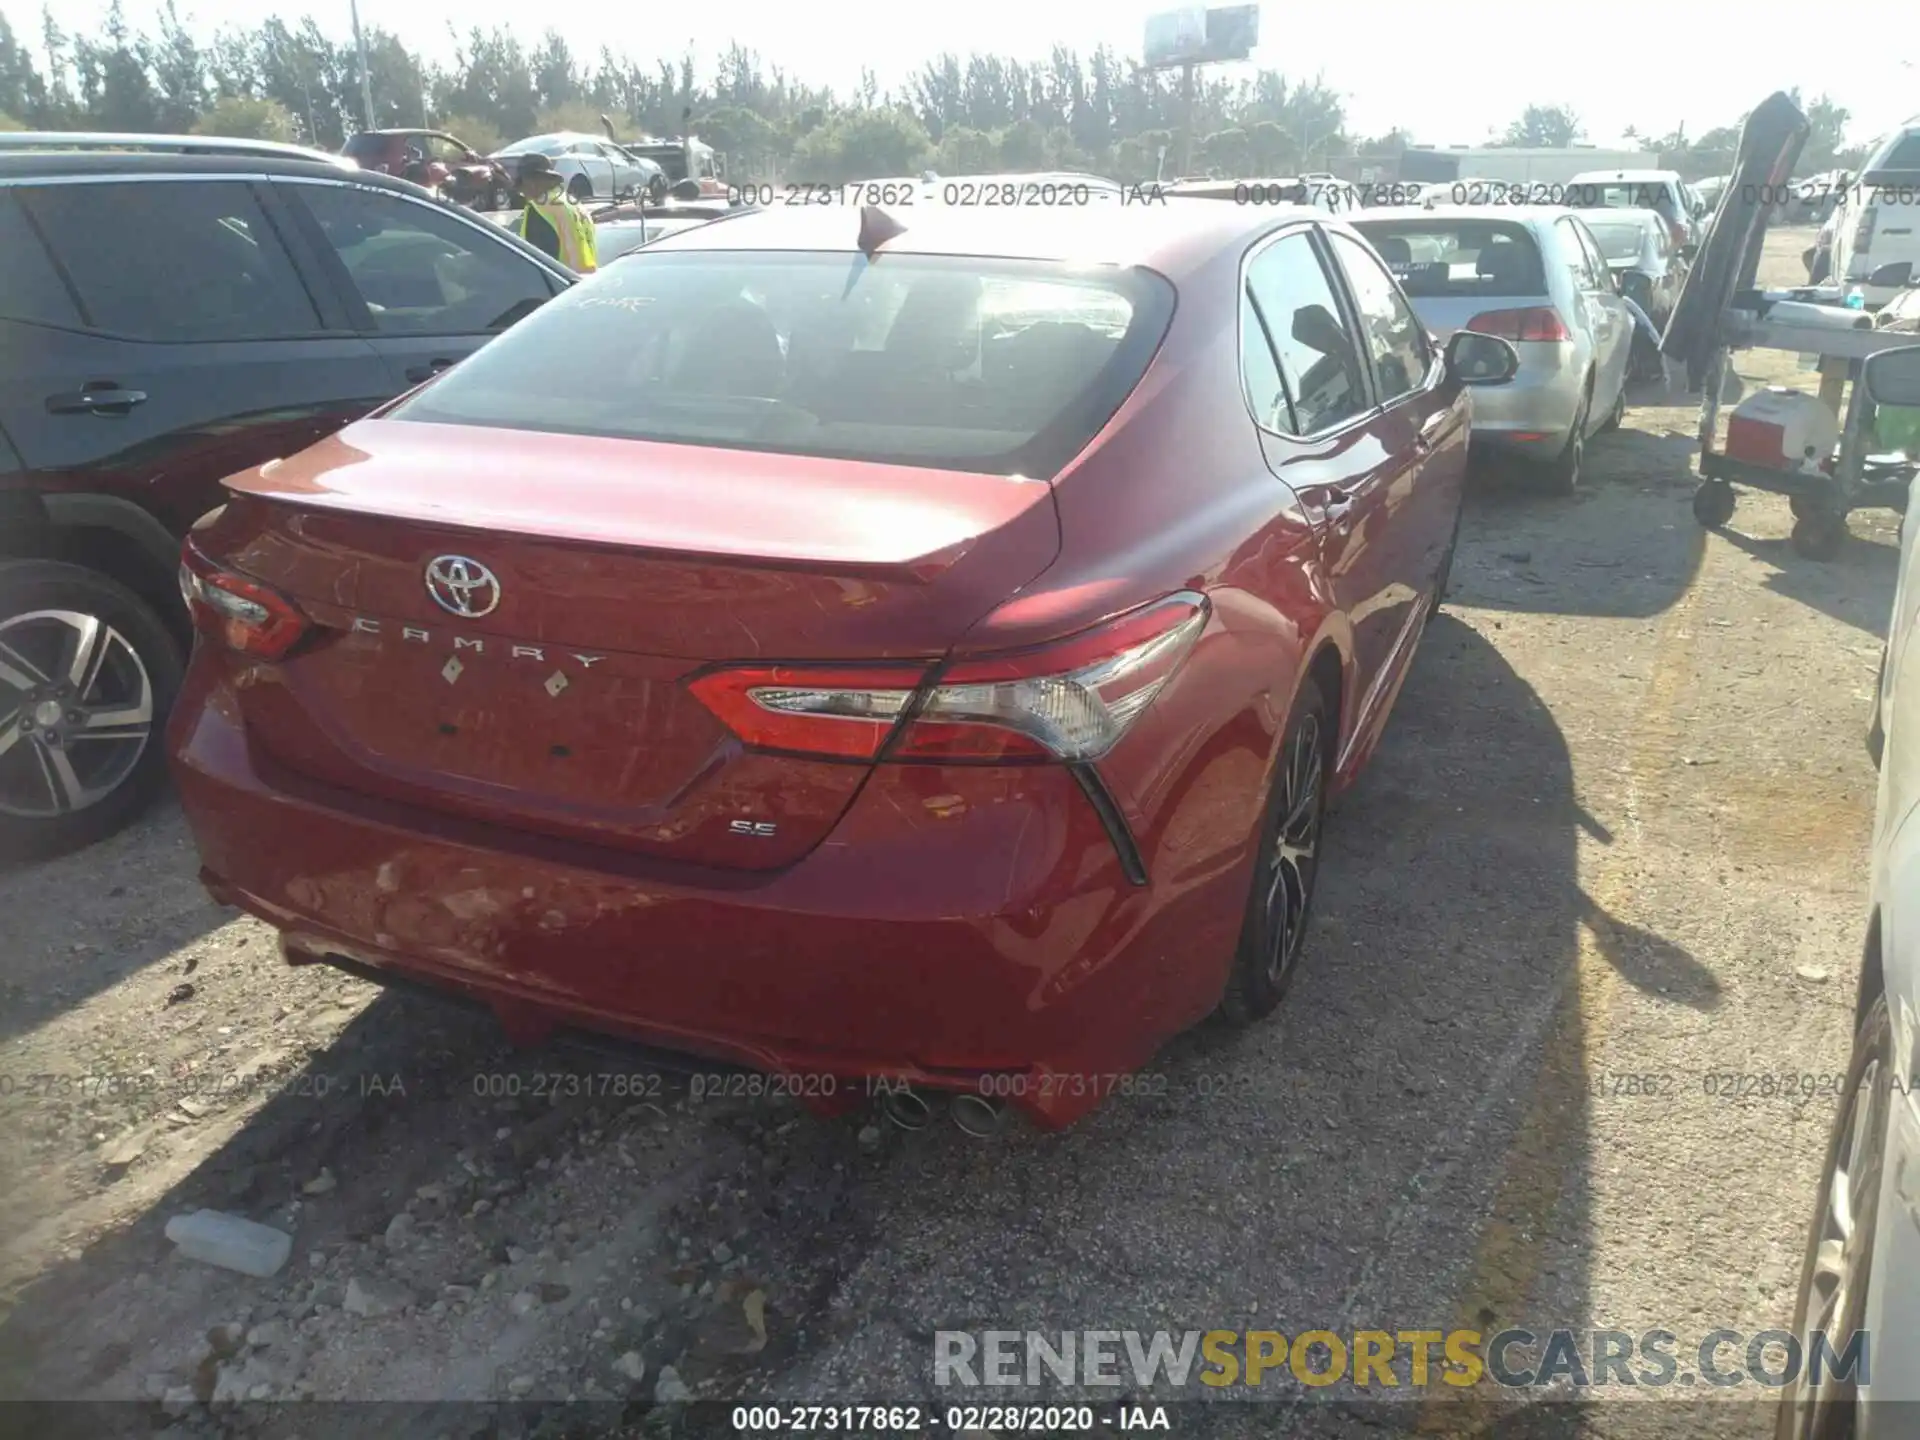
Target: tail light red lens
[(844, 713), (241, 613), (1071, 700), (1533, 322)]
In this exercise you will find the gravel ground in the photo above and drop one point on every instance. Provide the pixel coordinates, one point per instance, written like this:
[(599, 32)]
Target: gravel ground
[(1617, 829)]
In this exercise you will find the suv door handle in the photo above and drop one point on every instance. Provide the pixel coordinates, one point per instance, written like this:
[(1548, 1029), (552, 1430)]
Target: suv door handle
[(418, 373), (98, 399)]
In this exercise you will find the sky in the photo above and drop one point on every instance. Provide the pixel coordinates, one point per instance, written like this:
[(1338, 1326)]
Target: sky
[(1447, 74)]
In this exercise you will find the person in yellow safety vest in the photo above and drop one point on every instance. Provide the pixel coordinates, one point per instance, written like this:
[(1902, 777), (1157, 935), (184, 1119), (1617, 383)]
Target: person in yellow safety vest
[(551, 220)]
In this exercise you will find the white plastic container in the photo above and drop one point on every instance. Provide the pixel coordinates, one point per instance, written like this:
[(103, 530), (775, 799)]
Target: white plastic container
[(230, 1242), (1776, 428)]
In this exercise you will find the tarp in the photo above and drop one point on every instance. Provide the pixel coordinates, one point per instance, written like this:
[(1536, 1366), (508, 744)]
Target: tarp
[(1770, 143)]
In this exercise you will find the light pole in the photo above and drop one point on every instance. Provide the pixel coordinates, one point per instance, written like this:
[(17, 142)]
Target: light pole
[(360, 48)]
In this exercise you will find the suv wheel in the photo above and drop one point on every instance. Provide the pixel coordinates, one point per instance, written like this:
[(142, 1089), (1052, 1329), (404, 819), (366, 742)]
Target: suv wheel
[(88, 672)]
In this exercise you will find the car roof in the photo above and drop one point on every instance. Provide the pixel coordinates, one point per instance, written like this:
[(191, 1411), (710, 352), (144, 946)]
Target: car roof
[(1534, 215), (1642, 177), (1173, 238), (46, 164), (61, 144)]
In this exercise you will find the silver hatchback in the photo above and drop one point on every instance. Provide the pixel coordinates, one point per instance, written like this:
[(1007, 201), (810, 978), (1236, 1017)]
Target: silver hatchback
[(1535, 276)]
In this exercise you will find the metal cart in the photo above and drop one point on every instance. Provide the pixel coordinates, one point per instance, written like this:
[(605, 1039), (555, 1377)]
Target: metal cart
[(1822, 501)]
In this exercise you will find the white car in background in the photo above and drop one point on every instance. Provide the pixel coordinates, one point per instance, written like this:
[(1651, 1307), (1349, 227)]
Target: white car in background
[(1877, 221), (1861, 1272), (590, 168)]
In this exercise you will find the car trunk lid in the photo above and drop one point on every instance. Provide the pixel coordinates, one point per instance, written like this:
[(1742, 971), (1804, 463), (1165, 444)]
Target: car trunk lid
[(608, 572)]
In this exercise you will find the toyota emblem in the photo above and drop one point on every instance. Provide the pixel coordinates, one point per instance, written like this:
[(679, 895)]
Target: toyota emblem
[(462, 587)]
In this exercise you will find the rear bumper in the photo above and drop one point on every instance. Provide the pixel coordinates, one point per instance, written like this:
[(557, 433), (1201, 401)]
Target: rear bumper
[(957, 927), (1534, 413)]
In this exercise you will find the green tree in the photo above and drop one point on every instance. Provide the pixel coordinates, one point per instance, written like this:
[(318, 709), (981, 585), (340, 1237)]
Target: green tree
[(966, 151), (478, 131), (19, 81), (7, 122), (1544, 126), (863, 145), (238, 117)]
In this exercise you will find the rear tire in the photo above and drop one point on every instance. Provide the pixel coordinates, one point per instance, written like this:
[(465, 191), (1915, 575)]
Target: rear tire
[(1286, 863), (1834, 1269), (1561, 475), (1619, 411), (580, 189), (66, 784)]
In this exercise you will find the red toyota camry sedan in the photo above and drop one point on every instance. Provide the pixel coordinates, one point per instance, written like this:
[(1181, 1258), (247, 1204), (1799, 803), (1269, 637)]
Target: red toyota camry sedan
[(915, 647)]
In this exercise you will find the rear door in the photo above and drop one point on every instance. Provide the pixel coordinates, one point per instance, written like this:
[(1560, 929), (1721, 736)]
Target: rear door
[(426, 284), (1331, 445), (1606, 317), (1425, 427), (595, 166), (171, 339)]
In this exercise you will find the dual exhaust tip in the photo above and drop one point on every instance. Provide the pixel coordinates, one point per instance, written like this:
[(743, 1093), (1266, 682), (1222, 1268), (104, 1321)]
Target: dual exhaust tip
[(976, 1115)]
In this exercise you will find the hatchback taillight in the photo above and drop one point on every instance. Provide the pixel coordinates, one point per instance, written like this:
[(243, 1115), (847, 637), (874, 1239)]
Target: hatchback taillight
[(1534, 322), (1071, 700), (243, 614), (1863, 231)]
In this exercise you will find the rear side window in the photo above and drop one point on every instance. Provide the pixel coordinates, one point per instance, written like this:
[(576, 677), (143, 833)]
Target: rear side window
[(1438, 257), (1617, 239), (1003, 367), (365, 146), (1311, 339), (1394, 336), (174, 260), (30, 288), (421, 272)]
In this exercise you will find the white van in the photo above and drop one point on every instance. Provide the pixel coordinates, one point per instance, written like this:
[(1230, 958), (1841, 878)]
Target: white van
[(1878, 219)]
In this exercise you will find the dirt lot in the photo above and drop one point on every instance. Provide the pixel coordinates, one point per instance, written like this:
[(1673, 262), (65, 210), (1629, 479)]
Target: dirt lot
[(1617, 829)]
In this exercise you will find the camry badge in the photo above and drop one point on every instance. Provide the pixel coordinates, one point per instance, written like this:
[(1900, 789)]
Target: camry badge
[(462, 587)]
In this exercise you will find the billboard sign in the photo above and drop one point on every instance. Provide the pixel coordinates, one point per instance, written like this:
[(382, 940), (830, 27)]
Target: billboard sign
[(1195, 36)]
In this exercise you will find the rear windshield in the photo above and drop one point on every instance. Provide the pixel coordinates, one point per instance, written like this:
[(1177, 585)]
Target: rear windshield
[(1899, 166), (1438, 257), (1618, 239), (1002, 367)]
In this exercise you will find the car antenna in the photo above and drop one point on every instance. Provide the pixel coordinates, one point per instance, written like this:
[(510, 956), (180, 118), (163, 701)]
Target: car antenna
[(876, 228)]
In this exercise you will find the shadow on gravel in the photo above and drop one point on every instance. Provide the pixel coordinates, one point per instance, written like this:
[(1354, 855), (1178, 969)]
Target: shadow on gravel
[(1855, 588), (80, 924), (1396, 1148)]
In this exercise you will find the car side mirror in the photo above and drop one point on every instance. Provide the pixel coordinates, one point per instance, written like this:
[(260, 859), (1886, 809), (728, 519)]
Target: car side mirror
[(1894, 276), (1893, 376), (1476, 359), (688, 189)]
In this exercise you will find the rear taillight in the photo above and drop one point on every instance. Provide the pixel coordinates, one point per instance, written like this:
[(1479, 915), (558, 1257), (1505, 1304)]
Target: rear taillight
[(1071, 700), (1535, 322), (241, 613), (1863, 232)]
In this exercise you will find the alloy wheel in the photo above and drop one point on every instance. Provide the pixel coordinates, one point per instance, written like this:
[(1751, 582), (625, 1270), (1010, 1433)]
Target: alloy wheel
[(1842, 1251), (1295, 847), (76, 712)]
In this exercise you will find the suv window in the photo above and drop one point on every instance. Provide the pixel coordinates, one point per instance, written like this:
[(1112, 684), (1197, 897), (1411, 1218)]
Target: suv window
[(1311, 339), (421, 272), (30, 288), (1394, 335), (192, 260)]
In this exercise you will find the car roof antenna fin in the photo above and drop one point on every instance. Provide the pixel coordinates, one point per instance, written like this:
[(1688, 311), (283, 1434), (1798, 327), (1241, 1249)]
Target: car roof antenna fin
[(876, 228)]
